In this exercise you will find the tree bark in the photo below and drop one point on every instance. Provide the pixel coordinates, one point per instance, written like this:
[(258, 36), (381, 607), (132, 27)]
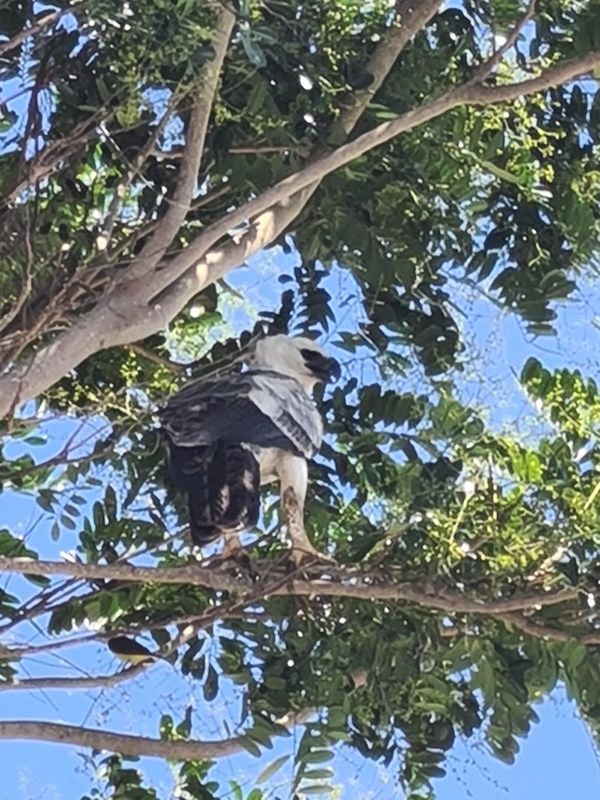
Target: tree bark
[(122, 743), (361, 585)]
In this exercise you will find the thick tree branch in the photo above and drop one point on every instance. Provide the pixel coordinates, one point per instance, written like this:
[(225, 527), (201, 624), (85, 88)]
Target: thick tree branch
[(342, 583), (272, 222), (126, 316), (468, 94), (128, 745), (407, 23), (221, 260), (556, 75), (122, 743), (179, 205), (91, 333), (410, 18)]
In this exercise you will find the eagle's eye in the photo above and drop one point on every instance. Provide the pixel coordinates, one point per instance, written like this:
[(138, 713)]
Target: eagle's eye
[(323, 368)]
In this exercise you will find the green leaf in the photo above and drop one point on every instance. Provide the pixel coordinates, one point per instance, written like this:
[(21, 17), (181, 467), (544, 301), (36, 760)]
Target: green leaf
[(253, 50), (250, 745), (185, 726), (98, 515), (272, 768), (7, 119), (318, 774), (35, 440), (211, 685), (110, 505), (67, 522), (236, 790), (318, 756), (257, 98), (45, 499), (531, 370)]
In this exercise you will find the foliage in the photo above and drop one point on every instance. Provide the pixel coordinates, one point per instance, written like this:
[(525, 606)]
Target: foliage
[(414, 486)]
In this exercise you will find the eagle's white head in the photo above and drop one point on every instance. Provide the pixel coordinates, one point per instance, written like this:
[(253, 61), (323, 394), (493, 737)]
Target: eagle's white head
[(298, 357)]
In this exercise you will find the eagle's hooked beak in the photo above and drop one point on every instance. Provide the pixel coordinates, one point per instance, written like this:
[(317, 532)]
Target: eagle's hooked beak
[(323, 368), (334, 370)]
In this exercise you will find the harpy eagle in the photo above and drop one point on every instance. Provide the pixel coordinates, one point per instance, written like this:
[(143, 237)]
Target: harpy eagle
[(228, 435)]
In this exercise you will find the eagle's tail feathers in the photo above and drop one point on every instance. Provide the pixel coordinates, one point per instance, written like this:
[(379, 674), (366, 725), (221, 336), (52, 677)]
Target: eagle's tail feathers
[(231, 501)]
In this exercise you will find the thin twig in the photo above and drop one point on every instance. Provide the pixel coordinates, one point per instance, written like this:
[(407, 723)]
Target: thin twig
[(495, 59), (155, 358), (36, 27), (120, 190)]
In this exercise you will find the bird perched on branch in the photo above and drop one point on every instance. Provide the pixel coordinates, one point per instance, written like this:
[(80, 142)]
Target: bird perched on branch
[(228, 435), (130, 651)]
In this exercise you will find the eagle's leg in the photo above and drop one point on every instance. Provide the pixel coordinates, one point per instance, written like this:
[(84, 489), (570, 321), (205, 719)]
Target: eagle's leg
[(233, 554), (302, 549), (233, 548), (293, 474)]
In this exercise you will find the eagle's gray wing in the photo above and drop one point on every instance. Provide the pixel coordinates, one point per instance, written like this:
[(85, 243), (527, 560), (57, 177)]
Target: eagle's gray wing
[(284, 401), (257, 407)]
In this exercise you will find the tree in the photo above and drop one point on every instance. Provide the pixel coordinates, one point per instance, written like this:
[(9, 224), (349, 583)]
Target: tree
[(148, 152)]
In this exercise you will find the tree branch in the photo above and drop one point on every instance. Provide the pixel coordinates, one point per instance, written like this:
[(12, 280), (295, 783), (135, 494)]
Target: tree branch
[(36, 27), (221, 260), (273, 221), (188, 627), (313, 172), (158, 243), (92, 332), (122, 743), (550, 78), (495, 59), (539, 631), (407, 22), (129, 745), (91, 682), (26, 286), (155, 358), (53, 156), (133, 170), (381, 62), (342, 583), (124, 315), (410, 18)]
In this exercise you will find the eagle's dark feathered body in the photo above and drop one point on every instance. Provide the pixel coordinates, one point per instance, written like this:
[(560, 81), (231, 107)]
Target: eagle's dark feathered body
[(220, 432), (222, 484)]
